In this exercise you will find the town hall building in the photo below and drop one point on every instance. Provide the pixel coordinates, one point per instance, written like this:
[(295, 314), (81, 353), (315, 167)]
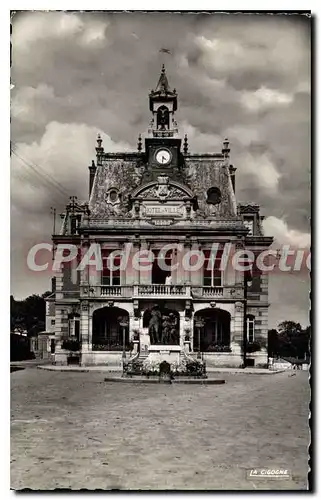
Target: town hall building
[(168, 206)]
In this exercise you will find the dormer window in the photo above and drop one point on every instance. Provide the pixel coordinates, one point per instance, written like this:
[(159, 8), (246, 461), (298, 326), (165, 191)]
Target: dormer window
[(249, 224), (214, 196), (113, 196)]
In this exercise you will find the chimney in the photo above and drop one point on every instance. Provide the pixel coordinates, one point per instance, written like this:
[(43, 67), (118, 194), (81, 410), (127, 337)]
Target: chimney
[(92, 173)]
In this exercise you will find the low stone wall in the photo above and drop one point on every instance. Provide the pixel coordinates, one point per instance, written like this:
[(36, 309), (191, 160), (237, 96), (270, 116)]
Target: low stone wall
[(222, 359), (96, 358), (213, 359), (233, 360)]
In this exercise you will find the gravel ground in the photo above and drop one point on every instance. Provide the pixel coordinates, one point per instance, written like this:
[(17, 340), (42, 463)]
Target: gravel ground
[(73, 430)]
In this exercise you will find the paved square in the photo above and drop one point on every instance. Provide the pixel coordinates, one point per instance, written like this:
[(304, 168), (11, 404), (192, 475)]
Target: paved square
[(73, 430)]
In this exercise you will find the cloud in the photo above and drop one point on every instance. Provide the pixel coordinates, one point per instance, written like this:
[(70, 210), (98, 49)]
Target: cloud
[(222, 54), (264, 98), (244, 135), (280, 230), (27, 103), (261, 170), (30, 29), (45, 172)]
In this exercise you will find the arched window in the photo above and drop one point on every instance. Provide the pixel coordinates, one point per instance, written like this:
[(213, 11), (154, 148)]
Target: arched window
[(162, 118), (250, 327), (110, 329)]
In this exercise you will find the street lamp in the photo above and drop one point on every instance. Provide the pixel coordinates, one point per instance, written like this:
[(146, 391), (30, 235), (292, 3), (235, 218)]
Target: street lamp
[(123, 322), (199, 323)]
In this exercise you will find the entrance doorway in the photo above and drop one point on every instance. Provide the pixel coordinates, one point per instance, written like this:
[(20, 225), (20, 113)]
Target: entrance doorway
[(212, 330), (110, 326)]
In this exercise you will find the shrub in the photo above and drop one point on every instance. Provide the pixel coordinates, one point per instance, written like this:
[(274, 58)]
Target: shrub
[(195, 368)]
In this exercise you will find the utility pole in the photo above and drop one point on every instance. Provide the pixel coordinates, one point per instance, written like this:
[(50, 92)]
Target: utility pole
[(53, 212)]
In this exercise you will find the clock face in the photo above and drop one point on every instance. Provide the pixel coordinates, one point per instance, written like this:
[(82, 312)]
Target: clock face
[(163, 157)]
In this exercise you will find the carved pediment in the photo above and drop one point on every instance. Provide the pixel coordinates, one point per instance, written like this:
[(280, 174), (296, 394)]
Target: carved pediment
[(163, 189)]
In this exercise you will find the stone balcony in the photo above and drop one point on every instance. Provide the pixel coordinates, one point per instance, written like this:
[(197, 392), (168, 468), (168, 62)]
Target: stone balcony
[(153, 291), (162, 291)]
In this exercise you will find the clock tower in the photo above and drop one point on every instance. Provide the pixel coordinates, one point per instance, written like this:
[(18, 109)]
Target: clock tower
[(163, 146)]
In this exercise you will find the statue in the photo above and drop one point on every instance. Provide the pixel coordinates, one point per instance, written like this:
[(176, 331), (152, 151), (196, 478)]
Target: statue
[(154, 327), (162, 329)]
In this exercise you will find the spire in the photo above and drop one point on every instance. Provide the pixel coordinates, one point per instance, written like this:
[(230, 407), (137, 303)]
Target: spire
[(163, 104), (99, 149), (163, 85)]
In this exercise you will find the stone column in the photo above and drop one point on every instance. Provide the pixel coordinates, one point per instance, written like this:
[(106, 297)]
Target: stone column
[(143, 336), (181, 328), (195, 276), (239, 275), (235, 334), (84, 326), (122, 272), (191, 326), (59, 283), (90, 329), (238, 328), (132, 274), (145, 275), (61, 333), (131, 326)]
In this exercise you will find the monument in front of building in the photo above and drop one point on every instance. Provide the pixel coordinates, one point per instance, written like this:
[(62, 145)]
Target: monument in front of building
[(160, 197)]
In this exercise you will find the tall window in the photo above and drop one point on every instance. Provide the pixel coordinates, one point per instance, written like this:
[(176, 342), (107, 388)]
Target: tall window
[(74, 325), (111, 271), (161, 267), (212, 274), (250, 328)]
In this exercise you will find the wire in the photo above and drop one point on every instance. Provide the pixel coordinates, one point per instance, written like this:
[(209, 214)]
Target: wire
[(40, 172), (42, 178)]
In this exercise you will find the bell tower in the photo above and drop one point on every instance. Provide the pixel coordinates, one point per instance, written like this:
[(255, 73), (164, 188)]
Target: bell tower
[(163, 104), (163, 145)]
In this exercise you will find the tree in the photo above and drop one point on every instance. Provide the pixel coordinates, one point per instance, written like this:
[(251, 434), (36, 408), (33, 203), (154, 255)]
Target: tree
[(29, 314), (290, 340)]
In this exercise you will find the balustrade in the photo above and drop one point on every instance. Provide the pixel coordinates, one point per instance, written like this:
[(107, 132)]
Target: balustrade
[(171, 290), (212, 291)]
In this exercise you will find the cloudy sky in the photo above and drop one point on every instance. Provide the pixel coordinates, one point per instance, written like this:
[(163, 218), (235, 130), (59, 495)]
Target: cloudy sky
[(245, 77)]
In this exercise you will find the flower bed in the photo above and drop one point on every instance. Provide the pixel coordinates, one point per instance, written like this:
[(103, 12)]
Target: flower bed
[(190, 368)]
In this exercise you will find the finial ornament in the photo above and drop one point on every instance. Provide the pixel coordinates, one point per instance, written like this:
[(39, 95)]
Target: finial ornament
[(99, 140), (163, 68), (226, 150), (139, 144), (185, 147)]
